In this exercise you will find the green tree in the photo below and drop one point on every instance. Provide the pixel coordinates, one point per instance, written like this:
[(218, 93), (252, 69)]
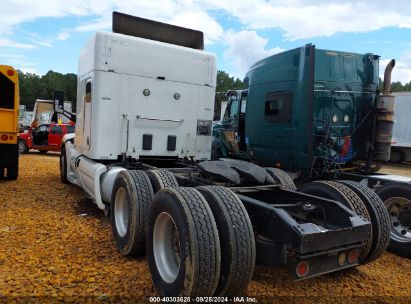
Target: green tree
[(397, 86), (34, 87), (226, 82)]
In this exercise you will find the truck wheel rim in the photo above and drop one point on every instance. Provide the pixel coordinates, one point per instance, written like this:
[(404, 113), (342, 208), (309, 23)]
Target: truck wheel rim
[(121, 212), (22, 147), (166, 247), (399, 209)]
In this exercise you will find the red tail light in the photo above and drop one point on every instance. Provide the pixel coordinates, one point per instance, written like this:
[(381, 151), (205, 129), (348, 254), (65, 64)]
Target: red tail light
[(302, 269), (11, 137), (10, 73), (4, 137), (353, 256)]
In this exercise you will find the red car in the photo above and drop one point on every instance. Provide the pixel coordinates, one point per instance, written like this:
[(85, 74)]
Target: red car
[(46, 137)]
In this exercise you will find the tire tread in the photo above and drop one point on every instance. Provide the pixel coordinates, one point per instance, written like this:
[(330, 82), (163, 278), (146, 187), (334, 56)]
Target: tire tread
[(281, 177), (241, 239), (140, 184), (161, 178), (206, 234), (378, 211)]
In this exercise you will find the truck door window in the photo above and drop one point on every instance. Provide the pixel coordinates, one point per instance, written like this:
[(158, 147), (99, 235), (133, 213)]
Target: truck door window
[(278, 106), (88, 91)]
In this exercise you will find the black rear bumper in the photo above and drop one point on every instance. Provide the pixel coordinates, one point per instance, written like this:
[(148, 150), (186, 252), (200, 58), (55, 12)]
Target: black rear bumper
[(277, 216)]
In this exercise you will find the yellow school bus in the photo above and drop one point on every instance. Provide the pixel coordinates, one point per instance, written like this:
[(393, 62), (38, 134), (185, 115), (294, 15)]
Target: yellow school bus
[(9, 117)]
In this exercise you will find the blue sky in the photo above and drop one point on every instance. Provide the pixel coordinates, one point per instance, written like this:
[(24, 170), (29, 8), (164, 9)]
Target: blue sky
[(48, 35)]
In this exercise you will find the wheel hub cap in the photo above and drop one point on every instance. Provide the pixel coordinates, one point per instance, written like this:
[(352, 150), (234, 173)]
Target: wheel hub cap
[(166, 247), (121, 212), (399, 209)]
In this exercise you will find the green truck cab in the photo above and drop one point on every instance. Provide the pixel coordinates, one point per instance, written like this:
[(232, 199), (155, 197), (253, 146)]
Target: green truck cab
[(305, 109)]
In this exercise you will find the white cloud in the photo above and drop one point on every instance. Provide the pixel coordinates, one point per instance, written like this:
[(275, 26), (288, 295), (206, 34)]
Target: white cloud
[(306, 19), (402, 69), (199, 20), (8, 43), (37, 39), (245, 48), (19, 62), (64, 35), (93, 26)]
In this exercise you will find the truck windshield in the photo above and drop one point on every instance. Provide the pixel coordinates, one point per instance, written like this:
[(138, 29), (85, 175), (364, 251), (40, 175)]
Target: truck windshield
[(6, 92), (232, 109)]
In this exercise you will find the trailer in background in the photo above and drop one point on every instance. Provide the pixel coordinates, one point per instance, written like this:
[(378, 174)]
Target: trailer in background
[(43, 112), (401, 140)]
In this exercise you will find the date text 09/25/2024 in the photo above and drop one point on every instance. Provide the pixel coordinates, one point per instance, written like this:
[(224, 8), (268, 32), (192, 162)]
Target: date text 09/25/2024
[(203, 299)]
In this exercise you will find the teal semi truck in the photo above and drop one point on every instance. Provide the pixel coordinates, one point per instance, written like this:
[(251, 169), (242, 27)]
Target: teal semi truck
[(319, 114)]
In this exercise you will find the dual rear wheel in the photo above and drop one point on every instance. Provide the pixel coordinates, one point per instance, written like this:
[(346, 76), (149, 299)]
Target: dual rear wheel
[(198, 241)]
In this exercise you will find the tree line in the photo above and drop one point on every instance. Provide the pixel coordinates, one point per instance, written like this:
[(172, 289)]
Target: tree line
[(33, 86)]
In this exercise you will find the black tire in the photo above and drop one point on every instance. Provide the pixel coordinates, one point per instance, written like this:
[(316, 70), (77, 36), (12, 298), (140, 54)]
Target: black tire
[(161, 179), (379, 218), (23, 147), (131, 198), (182, 230), (63, 166), (397, 197), (346, 196), (281, 177), (236, 239), (1, 173), (12, 172), (397, 156)]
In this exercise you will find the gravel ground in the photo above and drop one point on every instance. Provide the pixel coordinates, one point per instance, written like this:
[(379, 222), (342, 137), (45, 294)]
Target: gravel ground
[(57, 246), (395, 169)]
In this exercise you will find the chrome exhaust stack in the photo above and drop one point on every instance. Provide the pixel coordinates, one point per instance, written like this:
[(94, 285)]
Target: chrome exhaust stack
[(385, 117)]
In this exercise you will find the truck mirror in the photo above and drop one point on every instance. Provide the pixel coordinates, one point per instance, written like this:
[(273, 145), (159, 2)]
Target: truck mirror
[(59, 102)]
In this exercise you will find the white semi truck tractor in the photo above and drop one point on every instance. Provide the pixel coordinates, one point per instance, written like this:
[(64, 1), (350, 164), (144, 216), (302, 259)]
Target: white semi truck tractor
[(142, 152)]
